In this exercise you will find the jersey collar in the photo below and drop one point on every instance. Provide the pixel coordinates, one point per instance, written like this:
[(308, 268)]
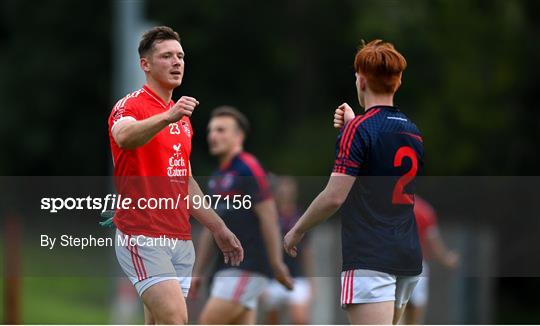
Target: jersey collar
[(155, 97), (387, 107), (227, 165)]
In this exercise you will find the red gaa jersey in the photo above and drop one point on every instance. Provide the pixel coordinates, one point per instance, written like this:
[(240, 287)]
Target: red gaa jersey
[(426, 220), (158, 169)]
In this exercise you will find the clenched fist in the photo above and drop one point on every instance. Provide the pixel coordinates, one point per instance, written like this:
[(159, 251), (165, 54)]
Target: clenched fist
[(184, 106), (342, 115)]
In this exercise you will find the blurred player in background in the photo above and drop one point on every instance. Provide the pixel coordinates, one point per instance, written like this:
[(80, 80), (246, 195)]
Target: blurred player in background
[(378, 155), (235, 291), (432, 247), (276, 297), (150, 139)]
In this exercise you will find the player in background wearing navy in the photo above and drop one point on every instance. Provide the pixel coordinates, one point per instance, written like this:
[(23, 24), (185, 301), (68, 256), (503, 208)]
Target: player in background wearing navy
[(235, 291), (276, 298), (143, 127), (433, 247), (372, 185)]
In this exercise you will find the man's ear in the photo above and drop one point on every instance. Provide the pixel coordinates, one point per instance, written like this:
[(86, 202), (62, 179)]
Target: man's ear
[(145, 64), (362, 83), (398, 83)]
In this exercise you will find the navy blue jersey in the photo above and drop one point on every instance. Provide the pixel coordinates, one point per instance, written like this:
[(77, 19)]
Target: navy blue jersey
[(243, 176), (384, 149)]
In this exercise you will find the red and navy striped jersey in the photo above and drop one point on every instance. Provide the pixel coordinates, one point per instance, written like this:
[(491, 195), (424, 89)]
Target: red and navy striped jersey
[(243, 176), (384, 149)]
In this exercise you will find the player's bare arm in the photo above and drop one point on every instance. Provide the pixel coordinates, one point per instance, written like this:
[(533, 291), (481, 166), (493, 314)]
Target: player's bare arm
[(342, 115), (322, 207), (227, 242), (267, 213), (435, 243), (130, 134)]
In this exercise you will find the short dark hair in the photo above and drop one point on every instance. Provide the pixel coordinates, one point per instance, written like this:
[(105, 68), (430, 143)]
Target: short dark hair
[(229, 111), (153, 35)]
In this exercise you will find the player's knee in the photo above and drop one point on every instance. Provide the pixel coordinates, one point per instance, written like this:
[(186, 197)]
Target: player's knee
[(172, 319), (171, 315)]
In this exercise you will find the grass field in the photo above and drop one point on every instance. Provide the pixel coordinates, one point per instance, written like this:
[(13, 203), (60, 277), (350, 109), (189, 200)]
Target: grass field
[(58, 300), (66, 300)]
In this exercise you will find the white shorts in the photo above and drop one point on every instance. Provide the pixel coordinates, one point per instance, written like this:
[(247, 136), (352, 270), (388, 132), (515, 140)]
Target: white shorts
[(420, 294), (367, 286), (277, 295), (147, 261), (244, 287)]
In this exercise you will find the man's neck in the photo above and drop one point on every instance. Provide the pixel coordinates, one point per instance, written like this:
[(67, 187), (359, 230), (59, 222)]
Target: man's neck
[(375, 100), (164, 94), (227, 158)]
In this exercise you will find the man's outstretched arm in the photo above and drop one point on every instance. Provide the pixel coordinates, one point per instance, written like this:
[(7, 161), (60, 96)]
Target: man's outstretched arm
[(267, 213), (322, 207)]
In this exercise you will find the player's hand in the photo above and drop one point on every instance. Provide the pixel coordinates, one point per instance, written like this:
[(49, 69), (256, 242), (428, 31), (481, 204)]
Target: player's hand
[(229, 244), (282, 275), (343, 114), (196, 283), (183, 107), (451, 260), (291, 239)]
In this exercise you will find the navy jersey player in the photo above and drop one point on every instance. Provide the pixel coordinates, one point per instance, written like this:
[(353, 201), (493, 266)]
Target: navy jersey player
[(250, 211), (277, 300), (378, 156)]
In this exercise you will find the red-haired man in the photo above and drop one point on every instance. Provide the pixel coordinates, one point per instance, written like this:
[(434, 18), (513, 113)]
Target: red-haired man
[(383, 148)]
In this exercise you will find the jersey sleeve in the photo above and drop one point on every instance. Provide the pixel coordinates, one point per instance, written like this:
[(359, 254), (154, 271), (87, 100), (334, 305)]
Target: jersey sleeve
[(186, 123), (123, 110), (351, 149), (255, 181)]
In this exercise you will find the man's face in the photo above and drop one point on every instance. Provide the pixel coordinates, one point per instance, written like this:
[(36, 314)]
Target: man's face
[(360, 88), (165, 63), (223, 135), (286, 191)]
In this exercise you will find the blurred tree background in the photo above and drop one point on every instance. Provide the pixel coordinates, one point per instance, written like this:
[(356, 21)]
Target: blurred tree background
[(470, 85)]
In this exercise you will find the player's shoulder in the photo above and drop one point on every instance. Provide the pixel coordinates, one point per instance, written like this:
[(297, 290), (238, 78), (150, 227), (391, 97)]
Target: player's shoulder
[(130, 99), (248, 164), (423, 208), (364, 123)]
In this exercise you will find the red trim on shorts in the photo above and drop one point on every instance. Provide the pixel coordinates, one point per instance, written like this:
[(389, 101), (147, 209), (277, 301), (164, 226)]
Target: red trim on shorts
[(240, 286), (345, 287), (342, 286), (141, 262), (133, 259), (137, 261), (351, 288)]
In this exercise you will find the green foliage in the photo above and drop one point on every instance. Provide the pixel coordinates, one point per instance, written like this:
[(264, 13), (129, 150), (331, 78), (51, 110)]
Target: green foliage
[(470, 85)]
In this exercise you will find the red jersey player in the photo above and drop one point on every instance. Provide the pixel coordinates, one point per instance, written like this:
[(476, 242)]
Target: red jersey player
[(150, 138), (432, 247)]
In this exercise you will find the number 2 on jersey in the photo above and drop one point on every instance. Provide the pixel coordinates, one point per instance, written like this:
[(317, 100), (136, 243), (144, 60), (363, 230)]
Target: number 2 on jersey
[(398, 196)]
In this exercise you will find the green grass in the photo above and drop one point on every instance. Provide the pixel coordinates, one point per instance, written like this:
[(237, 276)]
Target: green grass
[(66, 300), (60, 299)]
